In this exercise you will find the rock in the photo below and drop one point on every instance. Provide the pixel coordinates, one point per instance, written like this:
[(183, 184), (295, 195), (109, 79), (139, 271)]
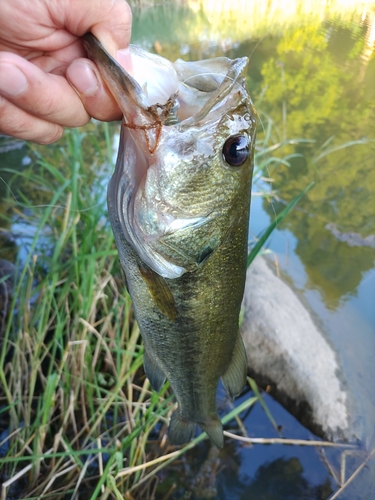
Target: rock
[(288, 351)]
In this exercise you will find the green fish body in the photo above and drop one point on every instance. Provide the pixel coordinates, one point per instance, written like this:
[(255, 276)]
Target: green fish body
[(179, 203)]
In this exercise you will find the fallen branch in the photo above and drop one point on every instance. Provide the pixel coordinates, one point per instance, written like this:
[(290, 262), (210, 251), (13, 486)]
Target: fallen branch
[(296, 442)]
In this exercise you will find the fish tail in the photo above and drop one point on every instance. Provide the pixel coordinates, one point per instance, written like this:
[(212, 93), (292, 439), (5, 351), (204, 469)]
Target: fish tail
[(181, 430), (214, 430)]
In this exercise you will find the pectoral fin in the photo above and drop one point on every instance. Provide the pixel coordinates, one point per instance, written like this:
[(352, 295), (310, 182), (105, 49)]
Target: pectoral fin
[(160, 292), (192, 245), (153, 372), (234, 378)]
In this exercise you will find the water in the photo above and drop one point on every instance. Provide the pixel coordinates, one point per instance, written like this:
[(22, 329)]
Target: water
[(312, 72)]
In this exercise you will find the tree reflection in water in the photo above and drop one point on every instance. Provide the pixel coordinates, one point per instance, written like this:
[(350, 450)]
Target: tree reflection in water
[(281, 479)]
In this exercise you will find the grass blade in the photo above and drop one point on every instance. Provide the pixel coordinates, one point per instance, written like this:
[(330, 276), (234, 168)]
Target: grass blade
[(257, 393), (259, 244)]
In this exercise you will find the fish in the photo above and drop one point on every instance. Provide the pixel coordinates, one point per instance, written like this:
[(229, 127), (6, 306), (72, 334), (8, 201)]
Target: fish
[(179, 206)]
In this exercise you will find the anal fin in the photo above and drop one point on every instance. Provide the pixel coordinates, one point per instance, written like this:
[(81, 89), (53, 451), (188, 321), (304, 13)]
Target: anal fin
[(234, 378), (153, 372)]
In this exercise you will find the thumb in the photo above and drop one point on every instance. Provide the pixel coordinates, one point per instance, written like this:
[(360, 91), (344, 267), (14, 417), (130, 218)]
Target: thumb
[(109, 20), (114, 30)]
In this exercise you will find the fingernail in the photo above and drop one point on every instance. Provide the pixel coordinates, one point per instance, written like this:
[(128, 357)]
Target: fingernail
[(83, 78), (12, 81), (124, 57)]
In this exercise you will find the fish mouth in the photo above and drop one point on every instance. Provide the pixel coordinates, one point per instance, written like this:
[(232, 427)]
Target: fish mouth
[(193, 89), (191, 94)]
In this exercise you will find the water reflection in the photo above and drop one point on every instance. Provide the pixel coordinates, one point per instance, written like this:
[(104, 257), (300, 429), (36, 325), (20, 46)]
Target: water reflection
[(323, 95), (280, 479), (312, 71), (218, 477)]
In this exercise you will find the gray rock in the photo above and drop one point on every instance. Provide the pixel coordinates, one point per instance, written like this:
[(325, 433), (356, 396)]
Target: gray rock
[(288, 351)]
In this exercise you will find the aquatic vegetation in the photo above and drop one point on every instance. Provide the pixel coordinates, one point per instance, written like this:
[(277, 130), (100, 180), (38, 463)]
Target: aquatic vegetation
[(74, 401)]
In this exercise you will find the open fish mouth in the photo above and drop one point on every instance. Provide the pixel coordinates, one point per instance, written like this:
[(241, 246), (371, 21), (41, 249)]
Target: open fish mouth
[(164, 93), (171, 112)]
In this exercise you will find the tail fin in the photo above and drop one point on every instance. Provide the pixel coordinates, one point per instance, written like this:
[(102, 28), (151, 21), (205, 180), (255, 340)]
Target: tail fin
[(180, 430), (214, 429)]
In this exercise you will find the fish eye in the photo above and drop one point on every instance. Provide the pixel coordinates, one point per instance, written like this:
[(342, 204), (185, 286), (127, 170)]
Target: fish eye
[(236, 150)]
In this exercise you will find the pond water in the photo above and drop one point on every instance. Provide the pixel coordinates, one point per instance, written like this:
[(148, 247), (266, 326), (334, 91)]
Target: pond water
[(311, 76)]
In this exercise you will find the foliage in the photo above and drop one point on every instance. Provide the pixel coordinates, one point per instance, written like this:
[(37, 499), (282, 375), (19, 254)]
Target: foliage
[(311, 91), (76, 410)]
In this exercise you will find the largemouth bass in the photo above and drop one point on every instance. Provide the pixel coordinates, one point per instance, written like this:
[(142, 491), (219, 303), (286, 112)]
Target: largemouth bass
[(179, 203)]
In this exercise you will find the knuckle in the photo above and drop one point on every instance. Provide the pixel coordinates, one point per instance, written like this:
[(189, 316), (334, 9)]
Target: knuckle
[(54, 109), (17, 123), (46, 104), (12, 120)]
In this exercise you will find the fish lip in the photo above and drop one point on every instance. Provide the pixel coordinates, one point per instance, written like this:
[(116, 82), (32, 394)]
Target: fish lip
[(138, 114)]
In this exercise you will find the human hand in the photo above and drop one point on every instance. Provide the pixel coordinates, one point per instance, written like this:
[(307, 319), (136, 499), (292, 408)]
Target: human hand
[(46, 81)]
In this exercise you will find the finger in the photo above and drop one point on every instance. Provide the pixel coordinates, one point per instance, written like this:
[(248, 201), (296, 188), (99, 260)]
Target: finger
[(110, 22), (95, 96), (43, 95), (18, 123)]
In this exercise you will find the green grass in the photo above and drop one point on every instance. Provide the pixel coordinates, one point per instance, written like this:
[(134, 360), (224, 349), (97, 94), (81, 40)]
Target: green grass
[(76, 411), (77, 414)]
